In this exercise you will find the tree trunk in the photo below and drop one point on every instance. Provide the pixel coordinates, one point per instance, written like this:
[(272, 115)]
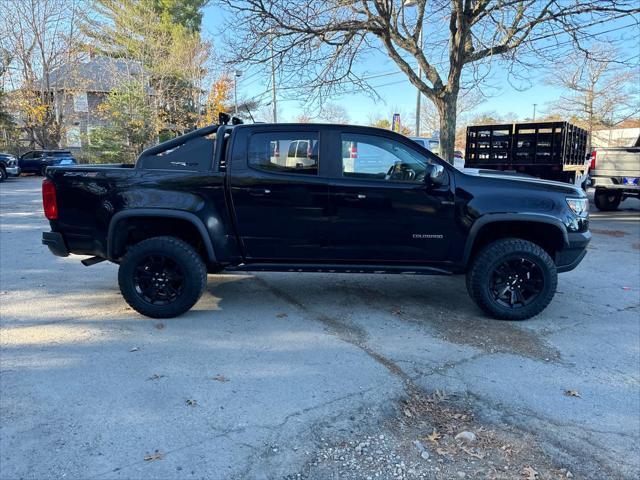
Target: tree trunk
[(446, 106)]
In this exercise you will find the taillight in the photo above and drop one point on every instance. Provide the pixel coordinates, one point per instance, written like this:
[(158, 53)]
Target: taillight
[(593, 160), (49, 201), (353, 150)]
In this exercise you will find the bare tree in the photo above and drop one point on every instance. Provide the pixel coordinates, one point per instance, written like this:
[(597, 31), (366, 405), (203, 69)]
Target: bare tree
[(599, 91), (317, 43), (468, 101), (334, 113), (41, 37)]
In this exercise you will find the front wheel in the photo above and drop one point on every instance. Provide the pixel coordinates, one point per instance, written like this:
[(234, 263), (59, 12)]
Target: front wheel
[(162, 277), (3, 174), (512, 279)]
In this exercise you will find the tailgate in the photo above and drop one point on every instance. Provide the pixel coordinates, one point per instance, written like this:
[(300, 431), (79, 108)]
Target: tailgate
[(619, 162)]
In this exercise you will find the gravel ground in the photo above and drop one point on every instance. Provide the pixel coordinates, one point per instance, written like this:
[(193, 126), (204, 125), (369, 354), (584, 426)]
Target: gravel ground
[(314, 375)]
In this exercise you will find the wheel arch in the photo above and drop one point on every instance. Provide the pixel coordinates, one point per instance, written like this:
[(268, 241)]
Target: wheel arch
[(117, 235), (544, 230)]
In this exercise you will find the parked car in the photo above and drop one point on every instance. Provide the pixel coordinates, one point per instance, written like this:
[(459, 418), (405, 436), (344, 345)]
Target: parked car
[(37, 161), (548, 150), (433, 145), (216, 199), (8, 166), (615, 174)]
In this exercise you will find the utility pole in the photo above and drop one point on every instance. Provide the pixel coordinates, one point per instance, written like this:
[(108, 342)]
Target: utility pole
[(534, 111), (410, 4), (273, 81), (236, 75)]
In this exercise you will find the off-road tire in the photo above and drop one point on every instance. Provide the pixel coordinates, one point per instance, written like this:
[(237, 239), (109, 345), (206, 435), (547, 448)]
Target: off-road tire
[(490, 258), (193, 269), (607, 200), (3, 174)]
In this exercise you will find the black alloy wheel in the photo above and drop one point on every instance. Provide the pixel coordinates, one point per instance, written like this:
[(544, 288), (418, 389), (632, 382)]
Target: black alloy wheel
[(512, 279), (162, 277), (516, 283), (158, 279)]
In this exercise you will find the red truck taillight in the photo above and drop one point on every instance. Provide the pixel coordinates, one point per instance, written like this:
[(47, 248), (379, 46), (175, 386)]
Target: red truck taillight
[(593, 160), (353, 150), (49, 201)]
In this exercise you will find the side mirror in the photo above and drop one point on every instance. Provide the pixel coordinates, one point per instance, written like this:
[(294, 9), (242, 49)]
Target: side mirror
[(436, 175)]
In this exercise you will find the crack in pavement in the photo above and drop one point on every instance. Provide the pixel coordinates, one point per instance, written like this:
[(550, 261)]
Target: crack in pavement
[(351, 334), (226, 432)]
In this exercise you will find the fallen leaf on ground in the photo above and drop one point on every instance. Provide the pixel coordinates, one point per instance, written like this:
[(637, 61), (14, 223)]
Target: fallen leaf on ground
[(529, 473), (157, 455), (407, 413), (281, 315), (159, 326), (134, 349), (472, 453), (434, 437), (192, 403), (220, 378), (572, 393), (155, 376)]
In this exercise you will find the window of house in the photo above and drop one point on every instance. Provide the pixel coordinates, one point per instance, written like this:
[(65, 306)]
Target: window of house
[(379, 158), (80, 102), (285, 152)]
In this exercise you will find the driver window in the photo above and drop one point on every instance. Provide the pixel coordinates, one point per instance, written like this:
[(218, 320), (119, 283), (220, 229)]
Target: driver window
[(378, 158)]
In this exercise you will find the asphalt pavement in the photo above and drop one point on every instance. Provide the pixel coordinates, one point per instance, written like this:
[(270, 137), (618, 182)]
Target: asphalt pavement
[(279, 375)]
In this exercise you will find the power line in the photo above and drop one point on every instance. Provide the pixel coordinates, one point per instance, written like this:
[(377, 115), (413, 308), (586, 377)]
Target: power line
[(444, 64)]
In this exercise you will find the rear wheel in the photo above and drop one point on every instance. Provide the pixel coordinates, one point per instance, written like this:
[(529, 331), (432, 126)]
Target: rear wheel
[(162, 277), (607, 200), (512, 279)]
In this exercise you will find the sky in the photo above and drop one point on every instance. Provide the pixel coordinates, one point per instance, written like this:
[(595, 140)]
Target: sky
[(398, 95)]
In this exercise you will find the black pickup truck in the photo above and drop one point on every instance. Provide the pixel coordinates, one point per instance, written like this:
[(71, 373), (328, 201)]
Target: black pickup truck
[(313, 198)]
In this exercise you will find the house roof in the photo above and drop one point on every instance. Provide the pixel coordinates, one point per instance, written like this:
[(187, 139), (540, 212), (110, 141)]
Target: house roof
[(99, 74)]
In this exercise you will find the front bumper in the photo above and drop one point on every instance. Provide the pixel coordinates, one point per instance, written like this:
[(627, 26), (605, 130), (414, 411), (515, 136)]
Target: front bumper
[(13, 171), (55, 242), (568, 258)]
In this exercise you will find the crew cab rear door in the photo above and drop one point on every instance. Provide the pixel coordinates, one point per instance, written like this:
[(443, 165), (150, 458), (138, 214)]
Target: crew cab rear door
[(279, 193), (382, 211)]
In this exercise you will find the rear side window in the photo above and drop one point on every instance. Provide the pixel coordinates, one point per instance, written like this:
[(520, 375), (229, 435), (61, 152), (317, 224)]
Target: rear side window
[(285, 152)]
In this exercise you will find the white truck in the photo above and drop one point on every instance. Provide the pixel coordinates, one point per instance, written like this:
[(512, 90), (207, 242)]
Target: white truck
[(615, 174)]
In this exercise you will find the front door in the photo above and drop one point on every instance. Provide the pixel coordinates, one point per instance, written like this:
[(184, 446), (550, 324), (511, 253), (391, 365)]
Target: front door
[(280, 197), (31, 162), (382, 211)]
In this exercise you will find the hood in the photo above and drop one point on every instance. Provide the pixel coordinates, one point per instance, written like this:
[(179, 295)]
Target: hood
[(525, 180)]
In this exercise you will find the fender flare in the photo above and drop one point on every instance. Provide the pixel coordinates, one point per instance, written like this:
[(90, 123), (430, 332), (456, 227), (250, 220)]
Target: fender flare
[(158, 213), (510, 217)]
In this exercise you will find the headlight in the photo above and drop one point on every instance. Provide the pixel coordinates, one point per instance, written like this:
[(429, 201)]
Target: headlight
[(579, 206)]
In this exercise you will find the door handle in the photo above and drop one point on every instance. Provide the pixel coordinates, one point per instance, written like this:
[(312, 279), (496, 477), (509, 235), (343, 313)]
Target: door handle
[(355, 197), (259, 192)]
